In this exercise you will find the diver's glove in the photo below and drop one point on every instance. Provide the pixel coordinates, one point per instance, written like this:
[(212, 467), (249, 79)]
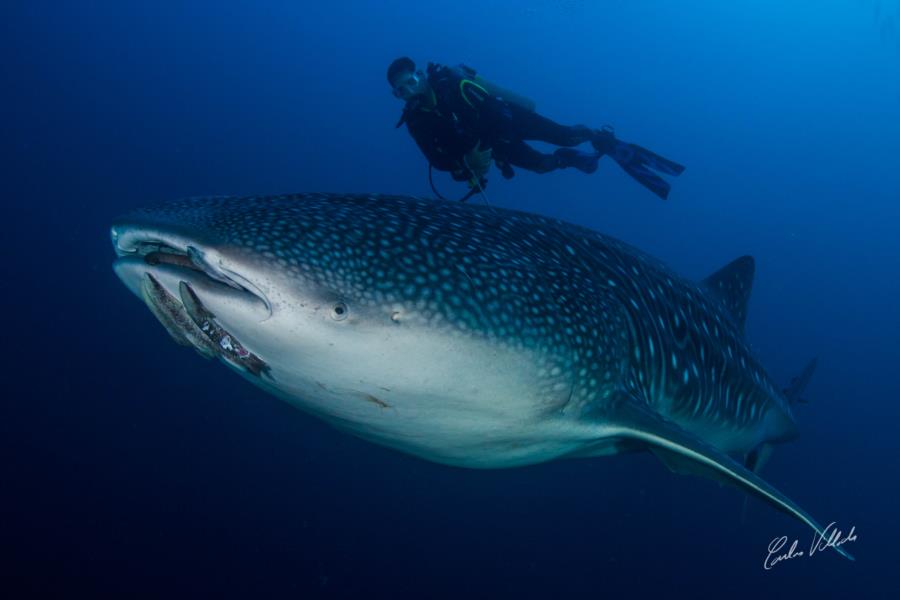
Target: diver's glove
[(478, 161), (477, 184)]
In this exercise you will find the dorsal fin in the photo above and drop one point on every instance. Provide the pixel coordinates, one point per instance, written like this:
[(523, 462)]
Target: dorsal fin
[(731, 285)]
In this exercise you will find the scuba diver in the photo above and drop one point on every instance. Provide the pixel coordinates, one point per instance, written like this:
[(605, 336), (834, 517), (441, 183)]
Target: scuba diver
[(461, 122)]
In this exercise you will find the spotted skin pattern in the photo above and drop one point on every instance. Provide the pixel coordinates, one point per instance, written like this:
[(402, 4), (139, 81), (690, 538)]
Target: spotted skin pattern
[(469, 335), (605, 320)]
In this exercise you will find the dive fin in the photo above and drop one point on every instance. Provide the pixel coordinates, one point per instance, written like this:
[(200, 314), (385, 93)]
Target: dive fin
[(657, 162), (640, 164), (586, 162), (685, 453)]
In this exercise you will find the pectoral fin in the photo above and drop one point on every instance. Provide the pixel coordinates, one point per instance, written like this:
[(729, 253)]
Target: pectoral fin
[(685, 453)]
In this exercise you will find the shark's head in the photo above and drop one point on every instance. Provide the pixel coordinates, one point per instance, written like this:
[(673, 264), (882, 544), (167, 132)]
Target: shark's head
[(259, 283), (346, 307)]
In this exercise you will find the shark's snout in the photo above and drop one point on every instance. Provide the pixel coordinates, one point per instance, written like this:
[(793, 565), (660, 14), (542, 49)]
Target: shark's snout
[(196, 299)]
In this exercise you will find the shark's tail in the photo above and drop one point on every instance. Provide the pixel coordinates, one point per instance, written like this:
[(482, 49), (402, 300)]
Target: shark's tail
[(793, 392)]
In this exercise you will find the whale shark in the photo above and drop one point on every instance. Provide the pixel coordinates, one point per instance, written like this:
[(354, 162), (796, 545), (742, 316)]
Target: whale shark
[(467, 335)]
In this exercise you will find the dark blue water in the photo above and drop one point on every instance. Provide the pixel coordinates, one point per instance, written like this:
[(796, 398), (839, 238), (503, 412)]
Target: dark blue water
[(129, 466)]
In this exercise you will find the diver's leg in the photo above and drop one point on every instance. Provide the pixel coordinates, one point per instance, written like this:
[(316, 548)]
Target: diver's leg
[(522, 155), (530, 125)]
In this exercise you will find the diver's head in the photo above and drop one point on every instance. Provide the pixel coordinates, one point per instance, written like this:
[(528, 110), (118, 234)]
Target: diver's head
[(406, 81)]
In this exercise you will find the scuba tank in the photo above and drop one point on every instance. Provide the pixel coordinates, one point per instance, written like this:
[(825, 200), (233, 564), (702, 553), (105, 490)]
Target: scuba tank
[(466, 72)]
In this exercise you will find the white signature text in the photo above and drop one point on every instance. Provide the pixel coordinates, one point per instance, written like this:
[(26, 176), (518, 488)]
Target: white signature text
[(831, 537)]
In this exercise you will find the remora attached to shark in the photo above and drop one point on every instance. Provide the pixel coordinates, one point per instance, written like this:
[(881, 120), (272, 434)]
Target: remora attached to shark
[(466, 335)]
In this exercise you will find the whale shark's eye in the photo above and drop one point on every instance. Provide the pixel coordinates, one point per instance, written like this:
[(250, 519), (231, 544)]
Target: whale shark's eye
[(339, 311)]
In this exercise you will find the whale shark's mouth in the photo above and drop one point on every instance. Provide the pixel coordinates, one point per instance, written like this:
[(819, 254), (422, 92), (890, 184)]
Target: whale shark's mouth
[(156, 252), (191, 324), (183, 314)]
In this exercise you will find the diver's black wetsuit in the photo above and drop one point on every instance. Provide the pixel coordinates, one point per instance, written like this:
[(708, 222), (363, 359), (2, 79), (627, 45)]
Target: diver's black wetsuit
[(528, 125), (461, 113)]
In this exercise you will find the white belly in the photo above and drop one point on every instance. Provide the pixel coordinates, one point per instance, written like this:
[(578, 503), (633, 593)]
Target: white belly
[(444, 397)]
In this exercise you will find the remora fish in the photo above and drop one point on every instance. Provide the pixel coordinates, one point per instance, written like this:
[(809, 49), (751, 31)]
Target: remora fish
[(463, 334)]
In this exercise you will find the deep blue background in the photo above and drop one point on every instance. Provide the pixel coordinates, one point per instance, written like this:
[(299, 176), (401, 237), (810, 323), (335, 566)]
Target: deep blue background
[(129, 465)]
